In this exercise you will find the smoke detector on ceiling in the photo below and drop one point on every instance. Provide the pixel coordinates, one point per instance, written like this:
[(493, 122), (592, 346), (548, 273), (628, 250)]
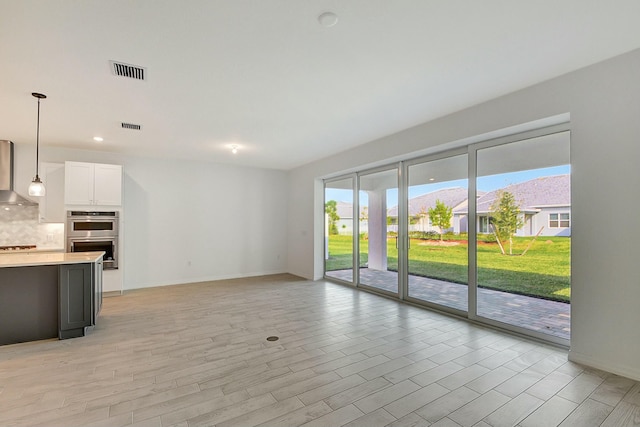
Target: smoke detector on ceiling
[(127, 70), (328, 19)]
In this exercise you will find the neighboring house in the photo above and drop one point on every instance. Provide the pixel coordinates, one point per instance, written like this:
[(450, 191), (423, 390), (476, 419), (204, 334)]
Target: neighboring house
[(419, 209), (345, 212), (544, 202)]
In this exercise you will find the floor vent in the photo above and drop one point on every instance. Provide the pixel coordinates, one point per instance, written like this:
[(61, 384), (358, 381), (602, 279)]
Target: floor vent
[(127, 70), (131, 126)]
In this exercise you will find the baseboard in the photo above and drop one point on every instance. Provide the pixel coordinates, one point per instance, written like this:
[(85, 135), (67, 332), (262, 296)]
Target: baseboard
[(209, 279), (625, 371), (109, 294)]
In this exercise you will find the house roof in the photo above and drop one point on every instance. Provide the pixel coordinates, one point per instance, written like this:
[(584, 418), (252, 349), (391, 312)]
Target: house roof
[(451, 197), (530, 195)]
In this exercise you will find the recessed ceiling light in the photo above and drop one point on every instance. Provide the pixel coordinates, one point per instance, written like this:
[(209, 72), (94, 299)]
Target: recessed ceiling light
[(432, 179), (234, 148), (98, 138), (328, 19)]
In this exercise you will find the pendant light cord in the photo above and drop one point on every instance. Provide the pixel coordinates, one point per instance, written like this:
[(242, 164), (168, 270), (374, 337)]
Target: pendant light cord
[(38, 140), (39, 96), (36, 188)]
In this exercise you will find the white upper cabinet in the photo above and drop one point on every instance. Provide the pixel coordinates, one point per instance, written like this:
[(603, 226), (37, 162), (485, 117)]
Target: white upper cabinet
[(92, 184), (78, 183), (52, 204), (107, 184)]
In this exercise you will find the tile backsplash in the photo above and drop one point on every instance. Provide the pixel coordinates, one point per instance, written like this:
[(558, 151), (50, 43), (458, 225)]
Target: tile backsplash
[(19, 225)]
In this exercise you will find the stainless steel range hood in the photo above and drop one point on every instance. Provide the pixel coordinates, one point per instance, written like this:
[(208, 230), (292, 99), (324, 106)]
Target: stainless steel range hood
[(7, 195)]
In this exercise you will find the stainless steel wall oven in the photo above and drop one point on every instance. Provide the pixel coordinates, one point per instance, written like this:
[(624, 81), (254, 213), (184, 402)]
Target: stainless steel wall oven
[(94, 231)]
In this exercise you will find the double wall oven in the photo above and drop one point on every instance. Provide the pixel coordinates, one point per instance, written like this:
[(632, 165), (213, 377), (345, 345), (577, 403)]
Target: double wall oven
[(94, 231)]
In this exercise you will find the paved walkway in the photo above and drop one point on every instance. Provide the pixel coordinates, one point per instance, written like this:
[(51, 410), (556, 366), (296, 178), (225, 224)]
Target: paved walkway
[(537, 314)]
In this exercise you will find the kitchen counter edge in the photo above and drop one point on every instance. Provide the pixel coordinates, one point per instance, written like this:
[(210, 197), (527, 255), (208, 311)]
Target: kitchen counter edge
[(32, 259)]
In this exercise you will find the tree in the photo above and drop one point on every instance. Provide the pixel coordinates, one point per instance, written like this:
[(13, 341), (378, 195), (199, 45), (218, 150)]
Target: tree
[(505, 217), (440, 216), (331, 209), (364, 214)]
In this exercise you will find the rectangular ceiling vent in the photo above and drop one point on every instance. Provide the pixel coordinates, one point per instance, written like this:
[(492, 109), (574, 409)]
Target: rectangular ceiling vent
[(131, 126), (127, 70)]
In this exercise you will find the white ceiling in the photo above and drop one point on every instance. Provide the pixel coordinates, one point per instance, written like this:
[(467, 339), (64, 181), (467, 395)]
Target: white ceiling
[(264, 74)]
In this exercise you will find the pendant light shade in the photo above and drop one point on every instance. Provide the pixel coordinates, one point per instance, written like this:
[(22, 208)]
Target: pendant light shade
[(36, 188)]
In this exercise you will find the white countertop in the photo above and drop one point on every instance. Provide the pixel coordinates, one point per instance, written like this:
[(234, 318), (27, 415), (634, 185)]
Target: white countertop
[(29, 259), (38, 249)]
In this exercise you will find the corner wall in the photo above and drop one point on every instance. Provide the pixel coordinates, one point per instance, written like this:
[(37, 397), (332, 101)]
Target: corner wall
[(603, 101)]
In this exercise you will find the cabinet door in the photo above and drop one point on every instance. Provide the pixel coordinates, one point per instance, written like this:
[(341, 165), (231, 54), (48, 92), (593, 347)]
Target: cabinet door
[(78, 183), (107, 185), (52, 204), (76, 299)]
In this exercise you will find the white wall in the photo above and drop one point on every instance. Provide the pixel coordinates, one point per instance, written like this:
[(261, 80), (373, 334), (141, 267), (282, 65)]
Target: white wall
[(227, 221), (604, 105)]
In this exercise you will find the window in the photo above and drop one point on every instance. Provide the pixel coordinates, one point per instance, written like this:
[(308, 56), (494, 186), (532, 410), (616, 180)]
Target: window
[(559, 220), (484, 224)]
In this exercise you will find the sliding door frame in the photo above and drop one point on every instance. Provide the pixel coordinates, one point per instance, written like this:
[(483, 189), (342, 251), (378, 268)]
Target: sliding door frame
[(397, 166), (473, 237), (354, 240), (402, 168), (405, 203)]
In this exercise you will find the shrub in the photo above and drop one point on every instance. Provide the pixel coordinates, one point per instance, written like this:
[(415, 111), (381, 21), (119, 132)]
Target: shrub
[(424, 235), (487, 238)]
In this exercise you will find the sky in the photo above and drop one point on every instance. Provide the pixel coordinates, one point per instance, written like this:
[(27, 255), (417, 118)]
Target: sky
[(485, 183)]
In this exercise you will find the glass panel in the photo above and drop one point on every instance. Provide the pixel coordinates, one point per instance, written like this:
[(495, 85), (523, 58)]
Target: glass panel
[(93, 226), (523, 257), (106, 246), (379, 230), (437, 218), (338, 196), (484, 225)]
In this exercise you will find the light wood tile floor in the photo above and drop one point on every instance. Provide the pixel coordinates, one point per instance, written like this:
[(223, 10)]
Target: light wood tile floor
[(197, 355)]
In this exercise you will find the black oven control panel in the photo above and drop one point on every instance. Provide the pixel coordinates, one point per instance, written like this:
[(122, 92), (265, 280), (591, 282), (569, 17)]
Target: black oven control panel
[(92, 213)]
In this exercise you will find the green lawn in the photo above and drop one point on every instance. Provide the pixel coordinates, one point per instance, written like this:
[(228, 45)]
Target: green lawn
[(543, 272)]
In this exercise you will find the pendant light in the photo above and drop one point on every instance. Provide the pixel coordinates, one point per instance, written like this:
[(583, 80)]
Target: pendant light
[(36, 188)]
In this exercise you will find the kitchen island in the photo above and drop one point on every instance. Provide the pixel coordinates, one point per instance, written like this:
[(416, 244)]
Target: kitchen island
[(48, 295)]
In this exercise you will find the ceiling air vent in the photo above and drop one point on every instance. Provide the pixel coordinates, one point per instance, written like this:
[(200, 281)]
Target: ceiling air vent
[(127, 70), (131, 126)]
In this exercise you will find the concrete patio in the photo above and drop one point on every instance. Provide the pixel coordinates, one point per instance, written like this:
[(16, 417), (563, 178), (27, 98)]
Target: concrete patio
[(536, 314)]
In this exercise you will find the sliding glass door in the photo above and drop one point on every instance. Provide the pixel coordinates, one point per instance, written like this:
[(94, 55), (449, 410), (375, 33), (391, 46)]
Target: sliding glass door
[(523, 214), (437, 230), (378, 194), (338, 229), (482, 231)]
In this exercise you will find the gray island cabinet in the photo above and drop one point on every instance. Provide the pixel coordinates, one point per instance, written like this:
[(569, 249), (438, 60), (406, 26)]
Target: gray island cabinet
[(49, 295)]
